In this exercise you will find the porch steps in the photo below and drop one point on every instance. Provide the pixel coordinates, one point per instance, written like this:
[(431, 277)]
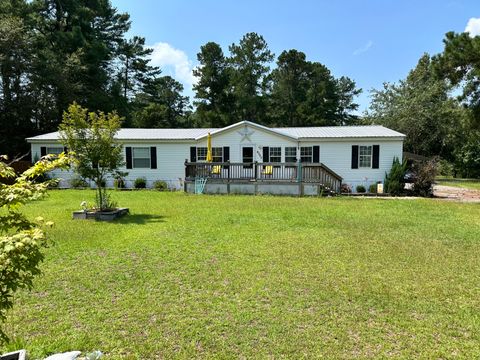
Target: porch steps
[(200, 184)]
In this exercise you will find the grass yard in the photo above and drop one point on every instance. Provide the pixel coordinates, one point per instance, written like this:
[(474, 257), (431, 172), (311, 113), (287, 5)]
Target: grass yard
[(461, 183), (189, 276)]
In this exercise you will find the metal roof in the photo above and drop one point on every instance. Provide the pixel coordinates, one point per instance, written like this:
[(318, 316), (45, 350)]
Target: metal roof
[(300, 133), (340, 132)]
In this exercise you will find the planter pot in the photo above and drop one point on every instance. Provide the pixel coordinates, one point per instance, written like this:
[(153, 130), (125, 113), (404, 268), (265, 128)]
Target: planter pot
[(99, 215), (16, 355)]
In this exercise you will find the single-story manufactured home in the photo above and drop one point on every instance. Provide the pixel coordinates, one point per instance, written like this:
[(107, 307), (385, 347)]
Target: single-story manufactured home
[(251, 158)]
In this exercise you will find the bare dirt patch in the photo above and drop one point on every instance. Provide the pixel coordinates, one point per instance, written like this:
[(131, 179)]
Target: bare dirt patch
[(456, 193)]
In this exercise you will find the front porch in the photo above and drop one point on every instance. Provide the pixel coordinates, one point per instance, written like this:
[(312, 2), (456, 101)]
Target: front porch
[(261, 178)]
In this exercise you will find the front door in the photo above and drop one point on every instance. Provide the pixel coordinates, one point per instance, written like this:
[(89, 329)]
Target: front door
[(248, 157)]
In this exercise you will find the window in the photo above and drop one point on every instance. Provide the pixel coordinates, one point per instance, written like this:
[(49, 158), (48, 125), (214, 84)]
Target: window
[(201, 154), (141, 157), (365, 156), (306, 154), (247, 156), (217, 154), (290, 154), (275, 154), (55, 150)]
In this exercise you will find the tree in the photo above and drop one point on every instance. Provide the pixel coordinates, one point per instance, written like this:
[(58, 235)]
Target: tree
[(421, 108), (290, 85), (250, 67), (136, 71), (213, 91), (305, 93), (460, 64), (21, 239), (90, 137), (162, 104)]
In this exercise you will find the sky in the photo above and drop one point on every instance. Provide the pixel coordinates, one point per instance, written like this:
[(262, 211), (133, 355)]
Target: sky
[(370, 41)]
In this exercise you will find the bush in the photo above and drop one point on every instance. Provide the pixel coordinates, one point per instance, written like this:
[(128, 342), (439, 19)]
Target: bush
[(361, 189), (425, 177), (119, 183), (140, 183), (372, 188), (78, 182), (160, 185), (444, 168), (395, 180), (345, 189)]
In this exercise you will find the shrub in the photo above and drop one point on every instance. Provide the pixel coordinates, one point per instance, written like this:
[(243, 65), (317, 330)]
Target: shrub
[(160, 185), (425, 177), (372, 188), (119, 183), (395, 180), (140, 183), (78, 182), (361, 189), (345, 188)]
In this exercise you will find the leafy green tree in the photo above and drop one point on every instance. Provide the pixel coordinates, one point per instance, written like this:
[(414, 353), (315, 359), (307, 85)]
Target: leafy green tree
[(290, 82), (96, 154), (460, 64), (21, 239), (250, 61), (136, 71), (421, 108), (162, 104), (214, 99)]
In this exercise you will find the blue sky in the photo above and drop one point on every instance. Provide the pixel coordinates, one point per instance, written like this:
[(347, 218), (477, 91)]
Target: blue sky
[(369, 41)]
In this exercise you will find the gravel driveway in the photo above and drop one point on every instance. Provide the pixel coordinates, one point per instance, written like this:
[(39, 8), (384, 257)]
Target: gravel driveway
[(456, 193)]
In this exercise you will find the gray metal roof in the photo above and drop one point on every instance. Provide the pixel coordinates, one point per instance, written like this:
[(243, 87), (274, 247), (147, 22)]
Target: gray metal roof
[(340, 132), (325, 132)]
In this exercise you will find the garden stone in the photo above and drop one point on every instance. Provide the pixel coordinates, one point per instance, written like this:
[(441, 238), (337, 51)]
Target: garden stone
[(71, 355)]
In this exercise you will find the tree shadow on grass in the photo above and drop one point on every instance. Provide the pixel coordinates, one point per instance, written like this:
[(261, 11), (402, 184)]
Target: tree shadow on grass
[(140, 219)]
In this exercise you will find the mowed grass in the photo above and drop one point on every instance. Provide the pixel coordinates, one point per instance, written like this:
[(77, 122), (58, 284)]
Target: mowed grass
[(189, 276), (461, 183)]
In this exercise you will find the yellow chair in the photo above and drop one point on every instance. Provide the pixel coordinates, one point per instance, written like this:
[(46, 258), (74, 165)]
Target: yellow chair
[(216, 169), (267, 170)]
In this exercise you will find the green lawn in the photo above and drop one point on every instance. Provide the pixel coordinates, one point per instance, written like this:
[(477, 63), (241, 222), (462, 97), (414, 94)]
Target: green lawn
[(461, 183), (256, 277)]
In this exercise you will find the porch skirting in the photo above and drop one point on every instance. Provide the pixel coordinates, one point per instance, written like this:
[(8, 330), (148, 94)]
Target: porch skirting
[(218, 186)]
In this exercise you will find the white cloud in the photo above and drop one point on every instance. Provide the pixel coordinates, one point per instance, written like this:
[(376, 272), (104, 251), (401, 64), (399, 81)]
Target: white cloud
[(473, 27), (173, 62), (364, 48)]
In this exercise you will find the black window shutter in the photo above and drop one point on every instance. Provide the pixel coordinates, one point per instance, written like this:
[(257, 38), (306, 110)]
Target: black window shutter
[(43, 151), (128, 156), (266, 154), (226, 153), (316, 154), (354, 156), (376, 157), (153, 157), (65, 150), (193, 154)]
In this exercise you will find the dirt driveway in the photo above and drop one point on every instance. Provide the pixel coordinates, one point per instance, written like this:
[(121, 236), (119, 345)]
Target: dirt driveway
[(456, 193)]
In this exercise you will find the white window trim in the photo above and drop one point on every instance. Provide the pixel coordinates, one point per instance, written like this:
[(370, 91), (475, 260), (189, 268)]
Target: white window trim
[(311, 156), (371, 156), (57, 148), (277, 156), (149, 158), (206, 150), (296, 153)]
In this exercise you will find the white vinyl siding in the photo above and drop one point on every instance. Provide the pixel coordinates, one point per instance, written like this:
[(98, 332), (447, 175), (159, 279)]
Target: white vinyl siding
[(141, 157)]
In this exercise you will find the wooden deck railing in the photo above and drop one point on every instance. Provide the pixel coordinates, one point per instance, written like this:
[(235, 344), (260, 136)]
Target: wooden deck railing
[(285, 172)]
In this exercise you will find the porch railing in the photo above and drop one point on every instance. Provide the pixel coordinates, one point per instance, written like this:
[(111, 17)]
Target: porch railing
[(285, 172)]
